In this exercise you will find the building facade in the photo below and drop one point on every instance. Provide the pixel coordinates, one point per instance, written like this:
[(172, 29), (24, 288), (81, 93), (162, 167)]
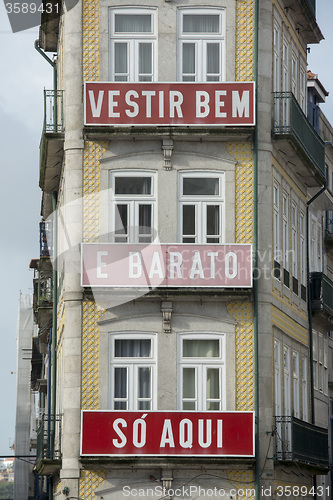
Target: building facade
[(185, 341)]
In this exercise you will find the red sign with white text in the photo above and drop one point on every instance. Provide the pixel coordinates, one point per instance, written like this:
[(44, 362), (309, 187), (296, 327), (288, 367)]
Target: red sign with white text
[(205, 104), (167, 433), (162, 265)]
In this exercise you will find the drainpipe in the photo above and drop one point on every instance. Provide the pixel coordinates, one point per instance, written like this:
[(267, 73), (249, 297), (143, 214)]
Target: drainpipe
[(53, 343), (255, 254), (309, 300)]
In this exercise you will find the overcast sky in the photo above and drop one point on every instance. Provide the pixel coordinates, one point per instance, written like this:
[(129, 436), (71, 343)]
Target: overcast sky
[(24, 74)]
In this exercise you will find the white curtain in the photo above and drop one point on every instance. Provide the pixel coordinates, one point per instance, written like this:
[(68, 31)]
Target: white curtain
[(133, 23), (199, 23)]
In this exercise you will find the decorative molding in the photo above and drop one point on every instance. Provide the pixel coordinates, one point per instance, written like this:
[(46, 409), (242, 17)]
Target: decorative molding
[(166, 309), (167, 147)]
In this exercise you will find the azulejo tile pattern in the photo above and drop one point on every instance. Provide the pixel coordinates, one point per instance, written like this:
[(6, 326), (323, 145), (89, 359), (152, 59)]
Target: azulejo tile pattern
[(245, 15)]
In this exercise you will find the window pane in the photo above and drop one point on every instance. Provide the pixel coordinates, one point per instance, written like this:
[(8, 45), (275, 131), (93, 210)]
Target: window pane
[(121, 223), (145, 223), (213, 383), (120, 58), (120, 382), (144, 405), (201, 23), (132, 348), (208, 348), (200, 186), (213, 405), (189, 405), (144, 389), (213, 220), (120, 405), (188, 383), (133, 185), (213, 58), (133, 23), (145, 59), (189, 221), (189, 58)]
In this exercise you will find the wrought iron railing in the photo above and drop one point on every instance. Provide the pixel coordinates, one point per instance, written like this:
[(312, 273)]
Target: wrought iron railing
[(53, 111), (321, 293), (47, 447), (289, 119), (329, 224), (301, 442), (45, 238)]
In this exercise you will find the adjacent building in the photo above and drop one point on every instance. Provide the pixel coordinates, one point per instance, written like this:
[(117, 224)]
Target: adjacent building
[(183, 293)]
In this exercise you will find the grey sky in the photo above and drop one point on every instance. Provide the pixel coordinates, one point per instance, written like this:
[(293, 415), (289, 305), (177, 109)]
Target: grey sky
[(24, 75)]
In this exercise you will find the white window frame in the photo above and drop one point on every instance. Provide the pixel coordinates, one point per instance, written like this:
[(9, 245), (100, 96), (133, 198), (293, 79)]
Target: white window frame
[(305, 401), (302, 219), (277, 377), (285, 231), (133, 40), (294, 74), (276, 57), (133, 364), (286, 381), (294, 242), (201, 203), (133, 202), (296, 385), (201, 40), (302, 88), (201, 365), (315, 360), (276, 220)]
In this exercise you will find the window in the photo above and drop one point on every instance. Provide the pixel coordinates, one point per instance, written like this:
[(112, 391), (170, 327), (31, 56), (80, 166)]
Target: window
[(133, 372), (315, 360), (286, 379), (133, 207), (305, 407), (202, 372), (276, 58), (285, 233), (315, 243), (302, 254), (294, 74), (201, 207), (133, 54), (294, 246), (296, 384), (201, 45), (276, 229), (302, 90), (277, 377)]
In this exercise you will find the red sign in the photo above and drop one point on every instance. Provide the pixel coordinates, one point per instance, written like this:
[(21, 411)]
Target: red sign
[(140, 265), (223, 104), (167, 433)]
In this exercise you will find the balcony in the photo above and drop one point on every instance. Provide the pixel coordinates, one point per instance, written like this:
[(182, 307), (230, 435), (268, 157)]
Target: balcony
[(52, 141), (299, 441), (49, 29), (297, 140), (48, 460), (43, 291), (303, 13), (321, 289)]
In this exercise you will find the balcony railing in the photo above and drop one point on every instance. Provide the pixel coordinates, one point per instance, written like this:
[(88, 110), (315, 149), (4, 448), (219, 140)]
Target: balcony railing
[(329, 225), (45, 238), (53, 111), (291, 122), (44, 445), (321, 293), (301, 442)]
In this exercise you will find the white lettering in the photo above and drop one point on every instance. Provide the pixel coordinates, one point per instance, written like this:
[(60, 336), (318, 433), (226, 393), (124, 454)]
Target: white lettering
[(135, 266), (202, 104), (219, 104), (185, 427), (196, 266), (101, 264), (175, 264), (133, 104), (219, 434), (230, 267), (208, 441), (148, 94), (212, 256), (96, 108), (116, 423), (240, 106), (113, 104), (156, 266), (167, 434), (161, 104), (139, 422), (176, 100)]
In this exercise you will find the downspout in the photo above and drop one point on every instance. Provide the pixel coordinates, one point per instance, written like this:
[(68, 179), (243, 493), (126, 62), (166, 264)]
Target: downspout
[(255, 254), (52, 355), (309, 300)]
